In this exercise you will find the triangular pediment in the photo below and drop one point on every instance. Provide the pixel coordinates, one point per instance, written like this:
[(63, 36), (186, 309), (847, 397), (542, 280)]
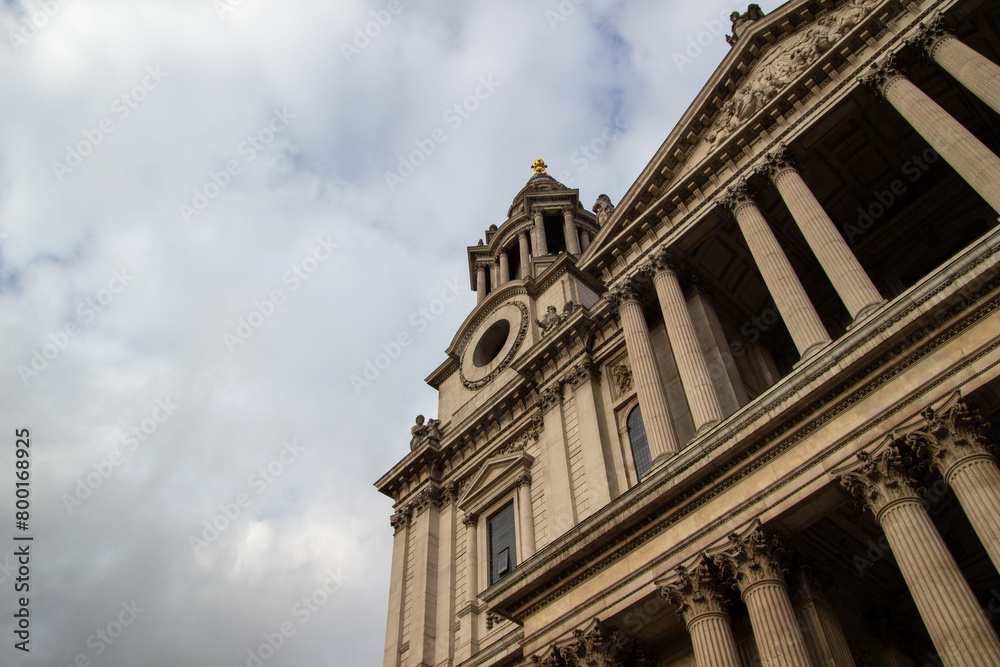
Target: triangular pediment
[(495, 477), (773, 60)]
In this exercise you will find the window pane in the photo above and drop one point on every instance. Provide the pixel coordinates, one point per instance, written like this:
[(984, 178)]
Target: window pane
[(637, 438), (503, 558)]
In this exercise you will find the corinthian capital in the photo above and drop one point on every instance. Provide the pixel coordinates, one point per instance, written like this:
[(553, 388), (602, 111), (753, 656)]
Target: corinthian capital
[(752, 557), (881, 477), (623, 292), (882, 74), (695, 591), (951, 434), (737, 195), (778, 161)]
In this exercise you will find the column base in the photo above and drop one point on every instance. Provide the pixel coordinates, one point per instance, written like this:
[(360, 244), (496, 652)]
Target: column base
[(811, 352), (865, 313)]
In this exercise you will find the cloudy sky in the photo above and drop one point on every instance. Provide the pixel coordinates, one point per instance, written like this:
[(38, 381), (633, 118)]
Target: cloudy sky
[(214, 217)]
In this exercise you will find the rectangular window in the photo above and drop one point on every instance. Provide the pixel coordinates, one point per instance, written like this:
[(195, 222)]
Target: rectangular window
[(503, 555)]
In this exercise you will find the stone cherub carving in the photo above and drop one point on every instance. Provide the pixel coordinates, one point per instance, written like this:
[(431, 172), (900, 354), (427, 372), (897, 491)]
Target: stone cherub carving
[(553, 318), (420, 431), (603, 208)]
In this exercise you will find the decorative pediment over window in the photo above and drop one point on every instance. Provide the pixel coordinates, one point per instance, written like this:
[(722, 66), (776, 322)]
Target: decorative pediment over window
[(497, 476)]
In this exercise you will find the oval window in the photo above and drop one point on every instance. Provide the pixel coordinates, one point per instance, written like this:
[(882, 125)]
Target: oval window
[(491, 343)]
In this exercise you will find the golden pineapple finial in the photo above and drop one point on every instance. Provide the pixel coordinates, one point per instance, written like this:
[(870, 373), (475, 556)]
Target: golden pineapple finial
[(539, 166)]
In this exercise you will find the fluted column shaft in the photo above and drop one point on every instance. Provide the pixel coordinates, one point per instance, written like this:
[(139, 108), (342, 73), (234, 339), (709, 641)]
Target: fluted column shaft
[(801, 319), (956, 624), (504, 268), (947, 605), (712, 638), (970, 157), (584, 239), (973, 70), (480, 283), (691, 365), (522, 242), (569, 232), (850, 280), (540, 247), (976, 483), (775, 629), (526, 519), (648, 387)]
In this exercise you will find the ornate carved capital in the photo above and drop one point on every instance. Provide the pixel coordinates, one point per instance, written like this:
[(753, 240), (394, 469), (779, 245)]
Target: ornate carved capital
[(931, 34), (951, 435), (401, 517), (623, 292), (695, 591), (548, 397), (663, 260), (737, 196), (432, 495), (598, 647), (524, 479), (470, 520), (752, 558), (882, 477), (882, 75), (585, 370), (779, 161)]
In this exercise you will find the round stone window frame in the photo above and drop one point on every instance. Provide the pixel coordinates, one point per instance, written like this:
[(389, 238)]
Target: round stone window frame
[(516, 315)]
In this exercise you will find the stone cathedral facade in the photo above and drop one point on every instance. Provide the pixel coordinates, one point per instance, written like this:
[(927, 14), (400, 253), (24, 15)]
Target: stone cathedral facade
[(745, 416)]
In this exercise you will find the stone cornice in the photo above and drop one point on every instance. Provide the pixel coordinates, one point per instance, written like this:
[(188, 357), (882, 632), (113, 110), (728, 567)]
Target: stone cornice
[(645, 511)]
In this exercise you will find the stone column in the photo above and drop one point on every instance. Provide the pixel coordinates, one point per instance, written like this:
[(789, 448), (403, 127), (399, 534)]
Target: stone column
[(425, 527), (525, 517), (569, 232), (695, 592), (970, 157), (752, 560), (504, 268), (820, 626), (849, 278), (969, 67), (584, 239), (691, 365), (961, 634), (480, 283), (522, 242), (789, 296), (652, 399), (950, 438), (540, 247)]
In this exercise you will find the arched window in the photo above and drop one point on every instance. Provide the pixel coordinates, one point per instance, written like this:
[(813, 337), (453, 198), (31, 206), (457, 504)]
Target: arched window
[(637, 439)]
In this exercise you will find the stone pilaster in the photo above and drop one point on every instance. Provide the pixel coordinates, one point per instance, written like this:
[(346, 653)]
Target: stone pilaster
[(652, 398), (525, 517), (470, 624), (752, 559), (956, 624), (980, 75), (789, 296), (704, 610), (691, 365), (400, 522), (426, 527), (849, 278), (584, 379), (570, 233), (970, 157), (951, 437), (820, 625)]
